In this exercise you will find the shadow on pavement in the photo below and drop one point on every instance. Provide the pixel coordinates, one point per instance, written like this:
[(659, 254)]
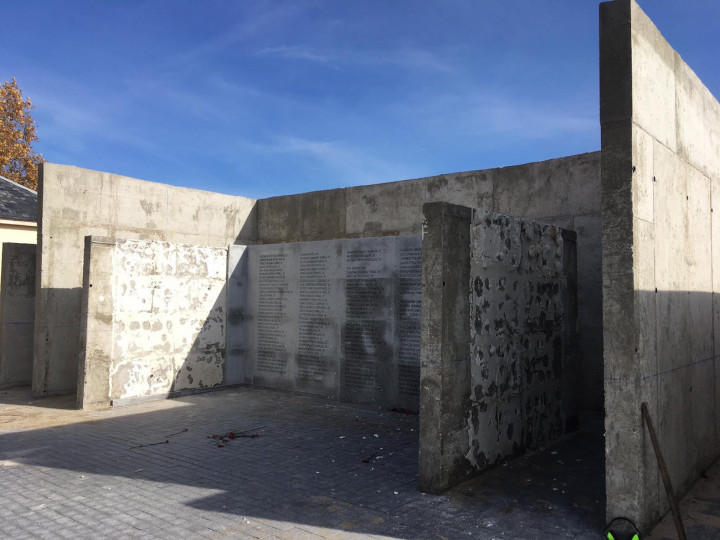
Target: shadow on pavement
[(291, 461)]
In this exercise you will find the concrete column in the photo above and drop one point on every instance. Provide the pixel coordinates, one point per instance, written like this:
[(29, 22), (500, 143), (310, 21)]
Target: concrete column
[(444, 347), (96, 324)]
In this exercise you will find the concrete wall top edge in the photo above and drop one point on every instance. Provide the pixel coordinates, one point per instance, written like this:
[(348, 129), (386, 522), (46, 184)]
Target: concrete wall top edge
[(589, 155), (59, 169)]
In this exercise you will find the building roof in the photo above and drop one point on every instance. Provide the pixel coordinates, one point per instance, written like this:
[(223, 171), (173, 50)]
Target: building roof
[(17, 202)]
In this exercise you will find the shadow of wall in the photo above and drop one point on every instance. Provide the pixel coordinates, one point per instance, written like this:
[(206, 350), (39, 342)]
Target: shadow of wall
[(158, 463)]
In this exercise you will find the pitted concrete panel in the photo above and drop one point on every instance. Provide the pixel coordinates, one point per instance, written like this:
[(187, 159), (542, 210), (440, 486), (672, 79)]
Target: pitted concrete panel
[(167, 318), (338, 318), (520, 340), (17, 314), (499, 365)]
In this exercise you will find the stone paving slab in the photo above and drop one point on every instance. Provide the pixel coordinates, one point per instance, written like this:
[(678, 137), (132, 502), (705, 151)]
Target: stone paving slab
[(316, 469)]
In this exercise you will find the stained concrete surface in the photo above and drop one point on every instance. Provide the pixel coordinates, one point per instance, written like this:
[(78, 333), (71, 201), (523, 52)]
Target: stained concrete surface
[(111, 474), (660, 179)]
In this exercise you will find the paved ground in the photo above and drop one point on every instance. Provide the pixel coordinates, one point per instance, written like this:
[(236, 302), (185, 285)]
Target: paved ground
[(316, 469), (700, 511)]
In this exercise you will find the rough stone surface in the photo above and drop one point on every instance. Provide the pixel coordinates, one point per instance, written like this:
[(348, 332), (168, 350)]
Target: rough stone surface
[(17, 314), (523, 370), (159, 310), (660, 149), (337, 318), (75, 203)]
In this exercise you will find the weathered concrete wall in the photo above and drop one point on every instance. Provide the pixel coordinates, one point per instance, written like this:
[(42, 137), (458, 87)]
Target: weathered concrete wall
[(17, 232), (524, 365), (17, 314), (155, 320), (75, 203), (564, 192), (444, 347), (661, 262), (338, 318), (498, 349)]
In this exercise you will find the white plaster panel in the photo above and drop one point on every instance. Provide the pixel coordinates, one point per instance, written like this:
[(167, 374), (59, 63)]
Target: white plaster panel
[(169, 320)]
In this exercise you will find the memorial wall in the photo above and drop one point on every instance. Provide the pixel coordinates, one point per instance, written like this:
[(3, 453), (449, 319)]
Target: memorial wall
[(337, 318)]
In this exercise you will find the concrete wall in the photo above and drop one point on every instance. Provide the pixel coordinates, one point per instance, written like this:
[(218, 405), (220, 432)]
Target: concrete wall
[(75, 203), (153, 320), (17, 232), (445, 383), (564, 192), (17, 314), (498, 363), (337, 318), (661, 262), (524, 365)]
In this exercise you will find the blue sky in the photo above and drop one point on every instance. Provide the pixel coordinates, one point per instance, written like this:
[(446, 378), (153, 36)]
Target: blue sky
[(257, 98)]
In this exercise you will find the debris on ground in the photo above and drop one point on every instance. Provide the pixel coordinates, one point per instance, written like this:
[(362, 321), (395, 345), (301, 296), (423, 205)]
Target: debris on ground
[(235, 434), (166, 441), (403, 411)]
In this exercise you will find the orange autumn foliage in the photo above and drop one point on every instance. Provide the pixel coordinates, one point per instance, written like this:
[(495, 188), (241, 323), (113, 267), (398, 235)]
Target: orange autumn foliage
[(18, 160)]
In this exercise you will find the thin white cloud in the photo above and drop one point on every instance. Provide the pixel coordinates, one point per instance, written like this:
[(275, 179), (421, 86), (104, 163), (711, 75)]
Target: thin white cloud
[(295, 53), (349, 165), (70, 119), (255, 24), (405, 58), (485, 115)]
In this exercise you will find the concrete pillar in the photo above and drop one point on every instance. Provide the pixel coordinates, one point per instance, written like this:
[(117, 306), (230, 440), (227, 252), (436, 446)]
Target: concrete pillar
[(96, 324), (444, 347)]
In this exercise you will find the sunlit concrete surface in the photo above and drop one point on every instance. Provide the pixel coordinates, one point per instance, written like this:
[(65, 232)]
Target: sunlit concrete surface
[(316, 469)]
